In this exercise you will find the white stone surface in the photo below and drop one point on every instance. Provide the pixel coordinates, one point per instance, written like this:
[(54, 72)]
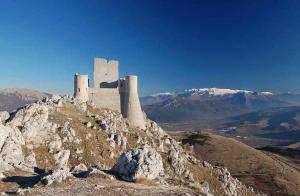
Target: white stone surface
[(81, 85), (10, 148), (4, 115), (57, 176), (132, 107), (143, 162)]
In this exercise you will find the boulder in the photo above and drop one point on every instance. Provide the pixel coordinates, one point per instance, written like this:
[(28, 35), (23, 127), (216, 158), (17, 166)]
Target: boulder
[(62, 158), (56, 176), (11, 142), (79, 168), (56, 98), (205, 188), (139, 163)]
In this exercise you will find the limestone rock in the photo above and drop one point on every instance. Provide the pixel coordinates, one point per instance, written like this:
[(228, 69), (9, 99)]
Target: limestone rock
[(23, 191), (62, 158), (55, 144), (4, 115), (56, 98), (229, 183), (11, 154), (205, 188), (177, 159), (79, 168), (88, 124), (143, 162), (30, 160), (57, 176), (33, 122)]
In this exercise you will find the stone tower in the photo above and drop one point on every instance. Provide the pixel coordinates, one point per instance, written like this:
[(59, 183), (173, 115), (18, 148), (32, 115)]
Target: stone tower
[(106, 73), (109, 91), (81, 86), (132, 107)]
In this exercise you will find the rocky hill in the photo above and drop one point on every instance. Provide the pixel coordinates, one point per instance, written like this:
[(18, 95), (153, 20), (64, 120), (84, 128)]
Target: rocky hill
[(267, 172), (62, 146), (14, 98)]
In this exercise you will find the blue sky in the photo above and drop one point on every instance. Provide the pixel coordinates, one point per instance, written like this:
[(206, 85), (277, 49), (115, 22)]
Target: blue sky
[(171, 45)]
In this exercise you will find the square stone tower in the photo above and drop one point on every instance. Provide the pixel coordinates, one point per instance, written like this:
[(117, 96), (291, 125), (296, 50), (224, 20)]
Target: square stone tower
[(106, 73)]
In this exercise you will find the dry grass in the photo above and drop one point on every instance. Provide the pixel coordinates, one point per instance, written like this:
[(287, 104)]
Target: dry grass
[(145, 181), (95, 149), (253, 167)]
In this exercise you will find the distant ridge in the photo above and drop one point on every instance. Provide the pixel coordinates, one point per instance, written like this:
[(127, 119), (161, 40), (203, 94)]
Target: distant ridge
[(14, 98), (207, 107), (198, 93)]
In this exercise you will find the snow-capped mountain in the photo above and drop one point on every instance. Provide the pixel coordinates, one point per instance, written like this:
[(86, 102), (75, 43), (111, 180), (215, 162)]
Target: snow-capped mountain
[(199, 94), (156, 98), (206, 104)]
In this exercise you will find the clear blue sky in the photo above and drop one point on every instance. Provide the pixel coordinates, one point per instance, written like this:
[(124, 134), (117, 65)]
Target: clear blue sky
[(171, 45)]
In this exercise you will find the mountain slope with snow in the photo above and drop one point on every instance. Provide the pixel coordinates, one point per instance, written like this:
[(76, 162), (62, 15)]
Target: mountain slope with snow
[(199, 94), (207, 104)]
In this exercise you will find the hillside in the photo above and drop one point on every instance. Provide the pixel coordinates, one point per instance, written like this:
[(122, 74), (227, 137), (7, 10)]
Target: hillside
[(61, 145), (14, 98), (281, 124), (267, 173)]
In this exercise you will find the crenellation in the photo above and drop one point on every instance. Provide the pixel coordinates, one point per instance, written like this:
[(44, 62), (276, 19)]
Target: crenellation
[(110, 91)]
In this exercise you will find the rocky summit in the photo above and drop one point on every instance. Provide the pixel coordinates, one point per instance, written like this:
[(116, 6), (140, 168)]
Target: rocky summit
[(64, 146)]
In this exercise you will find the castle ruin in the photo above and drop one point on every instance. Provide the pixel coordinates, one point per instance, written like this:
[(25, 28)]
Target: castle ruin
[(110, 91)]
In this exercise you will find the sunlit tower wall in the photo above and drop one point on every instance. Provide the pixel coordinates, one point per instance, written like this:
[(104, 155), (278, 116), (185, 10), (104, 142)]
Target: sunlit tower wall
[(81, 86), (106, 73), (132, 107)]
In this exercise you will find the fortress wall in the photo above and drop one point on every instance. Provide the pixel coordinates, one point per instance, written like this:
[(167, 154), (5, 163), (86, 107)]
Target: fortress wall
[(106, 73), (122, 94), (132, 107), (81, 84), (105, 98)]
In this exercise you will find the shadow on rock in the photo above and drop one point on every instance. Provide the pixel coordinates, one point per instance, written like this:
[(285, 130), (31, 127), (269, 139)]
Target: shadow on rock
[(25, 181)]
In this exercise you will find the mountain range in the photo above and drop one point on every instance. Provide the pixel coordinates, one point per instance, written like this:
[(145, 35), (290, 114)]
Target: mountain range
[(211, 103), (14, 98), (234, 112)]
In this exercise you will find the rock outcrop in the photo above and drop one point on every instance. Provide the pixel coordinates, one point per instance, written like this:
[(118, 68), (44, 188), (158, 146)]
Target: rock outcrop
[(11, 154), (4, 115), (139, 163), (56, 176)]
